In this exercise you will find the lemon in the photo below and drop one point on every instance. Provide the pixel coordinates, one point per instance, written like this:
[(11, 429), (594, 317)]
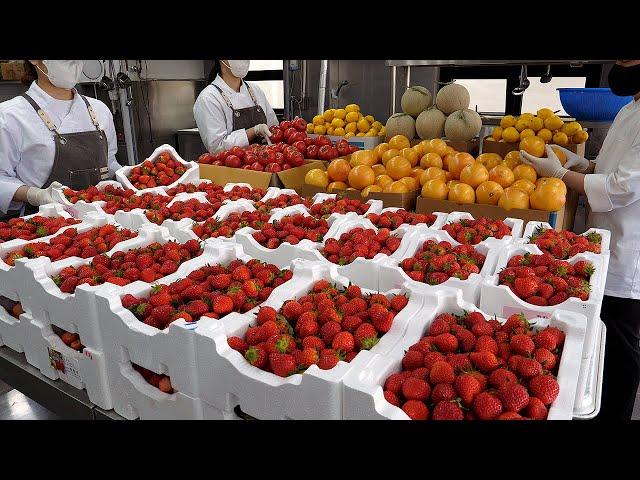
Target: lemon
[(544, 113), (510, 134), (337, 122), (351, 127), (383, 131), (349, 135), (507, 121), (527, 116), (571, 128), (561, 138), (523, 124), (545, 134), (377, 125), (339, 131), (352, 107), (351, 117), (319, 130), (363, 125), (360, 134), (553, 122), (537, 124), (370, 118), (328, 114), (330, 130), (371, 133), (339, 113), (496, 134), (527, 132), (310, 127), (318, 120)]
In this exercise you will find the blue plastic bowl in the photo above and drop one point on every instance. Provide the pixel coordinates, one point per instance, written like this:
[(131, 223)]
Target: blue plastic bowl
[(592, 104)]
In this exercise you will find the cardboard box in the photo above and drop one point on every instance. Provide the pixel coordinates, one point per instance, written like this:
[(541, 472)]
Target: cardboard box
[(294, 177), (560, 220), (502, 148), (288, 178), (309, 191), (364, 143)]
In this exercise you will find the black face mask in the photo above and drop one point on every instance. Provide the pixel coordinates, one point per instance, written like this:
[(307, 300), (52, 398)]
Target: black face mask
[(624, 81)]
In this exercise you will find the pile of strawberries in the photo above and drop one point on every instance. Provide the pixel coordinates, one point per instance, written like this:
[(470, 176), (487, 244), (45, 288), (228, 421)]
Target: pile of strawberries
[(236, 193), (193, 188), (191, 208), (147, 264), (161, 382), (213, 228), (342, 206), (544, 280), (393, 220), (164, 170), (70, 243), (32, 228), (565, 244), (291, 229), (146, 201), (359, 242), (468, 368), (212, 291), (93, 194), (436, 262), (472, 232), (321, 328), (71, 340), (282, 201)]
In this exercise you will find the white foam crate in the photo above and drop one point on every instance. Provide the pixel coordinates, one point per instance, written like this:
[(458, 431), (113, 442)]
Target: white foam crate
[(515, 224), (275, 192), (500, 300), (605, 234), (212, 413), (74, 312), (228, 380), (12, 332), (363, 388), (84, 370), (588, 398), (10, 286), (191, 175), (81, 207), (392, 276), (441, 218)]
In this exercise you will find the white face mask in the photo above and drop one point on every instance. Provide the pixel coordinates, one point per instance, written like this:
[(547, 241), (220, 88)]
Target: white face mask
[(64, 73), (239, 68)]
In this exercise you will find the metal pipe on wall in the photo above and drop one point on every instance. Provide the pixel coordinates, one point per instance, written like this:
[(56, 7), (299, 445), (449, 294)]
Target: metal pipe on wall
[(322, 88), (393, 90), (127, 123)]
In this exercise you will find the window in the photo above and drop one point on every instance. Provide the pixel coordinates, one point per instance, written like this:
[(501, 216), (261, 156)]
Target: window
[(487, 95), (540, 95), (269, 76)]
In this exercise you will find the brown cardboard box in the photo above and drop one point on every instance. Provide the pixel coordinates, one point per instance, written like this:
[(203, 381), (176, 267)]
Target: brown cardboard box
[(288, 178), (502, 148), (560, 220), (294, 177)]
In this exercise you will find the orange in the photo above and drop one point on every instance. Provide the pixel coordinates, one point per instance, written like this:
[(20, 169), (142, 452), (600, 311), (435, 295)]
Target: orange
[(451, 183), (580, 137), (513, 198), (417, 173), (317, 178), (396, 187), (474, 174), (525, 185), (562, 157), (448, 149), (496, 134), (399, 142), (547, 197), (437, 145), (389, 154), (363, 157), (561, 139), (525, 171), (361, 176), (338, 170), (411, 183), (383, 180), (380, 149), (489, 193), (433, 173), (502, 175), (398, 167), (446, 159), (379, 169), (336, 186), (458, 162), (533, 145), (512, 159), (431, 160), (489, 160), (419, 149), (435, 189), (545, 134), (448, 174), (556, 182), (462, 193), (371, 188), (411, 155)]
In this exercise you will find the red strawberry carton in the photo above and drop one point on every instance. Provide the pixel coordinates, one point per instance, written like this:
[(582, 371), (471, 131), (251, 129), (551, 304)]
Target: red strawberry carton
[(595, 240), (501, 297), (191, 170), (378, 390), (510, 234), (228, 379), (439, 264), (79, 207)]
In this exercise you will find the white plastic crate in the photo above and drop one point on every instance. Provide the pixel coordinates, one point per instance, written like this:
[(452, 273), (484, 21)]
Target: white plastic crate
[(605, 234), (191, 175), (392, 276), (81, 207), (228, 380), (363, 388), (589, 393), (515, 224), (11, 331), (501, 301)]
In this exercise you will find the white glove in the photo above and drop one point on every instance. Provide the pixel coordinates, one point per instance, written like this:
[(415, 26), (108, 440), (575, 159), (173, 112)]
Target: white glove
[(262, 130), (546, 167), (40, 196), (574, 161)]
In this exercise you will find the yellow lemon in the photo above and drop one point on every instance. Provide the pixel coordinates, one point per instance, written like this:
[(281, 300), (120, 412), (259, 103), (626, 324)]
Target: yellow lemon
[(360, 134), (571, 128), (580, 137), (352, 107), (544, 113), (310, 127), (389, 154), (330, 130), (474, 174), (319, 130), (431, 159), (502, 175), (512, 159), (328, 115), (527, 132), (523, 124), (507, 121), (317, 178), (377, 125), (351, 117), (339, 131), (351, 127), (382, 132), (553, 122), (411, 155), (513, 198), (363, 125), (510, 134), (339, 113), (433, 173), (462, 193), (399, 142), (379, 169), (537, 124), (496, 134), (489, 160), (318, 120), (489, 193), (545, 134), (561, 139), (334, 186), (370, 118), (337, 122), (371, 133)]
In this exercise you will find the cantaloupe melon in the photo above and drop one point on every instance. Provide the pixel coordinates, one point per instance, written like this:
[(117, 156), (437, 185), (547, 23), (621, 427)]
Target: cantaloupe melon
[(430, 124), (462, 125), (401, 124), (452, 97), (415, 100)]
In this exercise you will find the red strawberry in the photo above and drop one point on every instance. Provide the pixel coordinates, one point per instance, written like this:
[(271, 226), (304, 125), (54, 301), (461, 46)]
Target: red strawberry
[(485, 361), (394, 382), (129, 301), (466, 340), (536, 410), (256, 356), (441, 372), (343, 341), (467, 387), (398, 302), (446, 342), (415, 389), (443, 392), (328, 359), (237, 344), (416, 410), (412, 359), (522, 345), (430, 358), (545, 358), (292, 310), (353, 291), (460, 362), (447, 410), (266, 314), (537, 300), (526, 287), (439, 326), (544, 387), (486, 343), (502, 376), (487, 406), (282, 364), (392, 398), (222, 304), (307, 357), (366, 336), (528, 367), (329, 330), (514, 397)]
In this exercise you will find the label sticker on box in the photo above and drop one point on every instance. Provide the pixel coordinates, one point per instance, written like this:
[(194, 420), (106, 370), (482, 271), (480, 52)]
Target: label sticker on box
[(60, 363), (529, 314)]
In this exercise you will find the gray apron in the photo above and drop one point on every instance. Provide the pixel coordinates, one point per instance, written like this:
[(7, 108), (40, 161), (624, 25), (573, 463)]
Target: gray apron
[(244, 118)]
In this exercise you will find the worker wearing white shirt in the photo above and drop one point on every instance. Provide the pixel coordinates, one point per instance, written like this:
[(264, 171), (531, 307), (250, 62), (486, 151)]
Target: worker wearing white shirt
[(612, 187), (51, 135), (231, 112)]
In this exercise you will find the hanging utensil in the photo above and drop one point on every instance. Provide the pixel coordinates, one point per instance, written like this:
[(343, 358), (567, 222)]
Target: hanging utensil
[(546, 77)]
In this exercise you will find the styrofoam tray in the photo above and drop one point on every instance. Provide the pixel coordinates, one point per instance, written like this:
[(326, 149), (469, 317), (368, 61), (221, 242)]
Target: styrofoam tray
[(191, 175), (392, 275), (605, 234), (515, 224), (81, 207), (11, 331), (588, 400), (228, 380), (441, 218), (363, 389)]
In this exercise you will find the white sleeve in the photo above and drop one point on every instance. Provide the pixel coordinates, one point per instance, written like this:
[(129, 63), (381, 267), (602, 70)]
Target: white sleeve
[(617, 189), (9, 159), (210, 119)]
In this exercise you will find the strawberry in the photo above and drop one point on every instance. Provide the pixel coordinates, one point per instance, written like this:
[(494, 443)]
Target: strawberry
[(487, 406), (282, 364), (222, 304), (328, 359), (412, 359), (528, 367), (510, 416), (415, 389), (584, 268), (256, 356), (366, 336), (558, 298), (535, 409), (526, 287), (466, 340), (398, 302), (546, 339), (238, 344), (467, 387), (129, 301), (486, 343), (383, 323), (514, 397), (460, 362), (343, 341), (430, 358), (329, 330), (353, 291), (446, 342), (545, 358), (485, 361), (313, 342), (545, 388), (502, 376), (522, 345), (307, 357), (443, 392), (439, 326), (266, 314), (392, 398), (162, 298), (416, 410), (292, 310), (447, 410), (559, 334), (241, 273), (482, 328), (441, 372), (545, 291)]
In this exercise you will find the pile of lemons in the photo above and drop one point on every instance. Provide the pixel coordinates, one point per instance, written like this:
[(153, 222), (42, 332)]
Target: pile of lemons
[(545, 124), (346, 122)]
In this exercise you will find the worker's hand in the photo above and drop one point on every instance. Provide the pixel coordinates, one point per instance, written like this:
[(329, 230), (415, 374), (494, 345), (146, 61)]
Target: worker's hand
[(40, 196), (262, 130), (546, 167), (574, 161)]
